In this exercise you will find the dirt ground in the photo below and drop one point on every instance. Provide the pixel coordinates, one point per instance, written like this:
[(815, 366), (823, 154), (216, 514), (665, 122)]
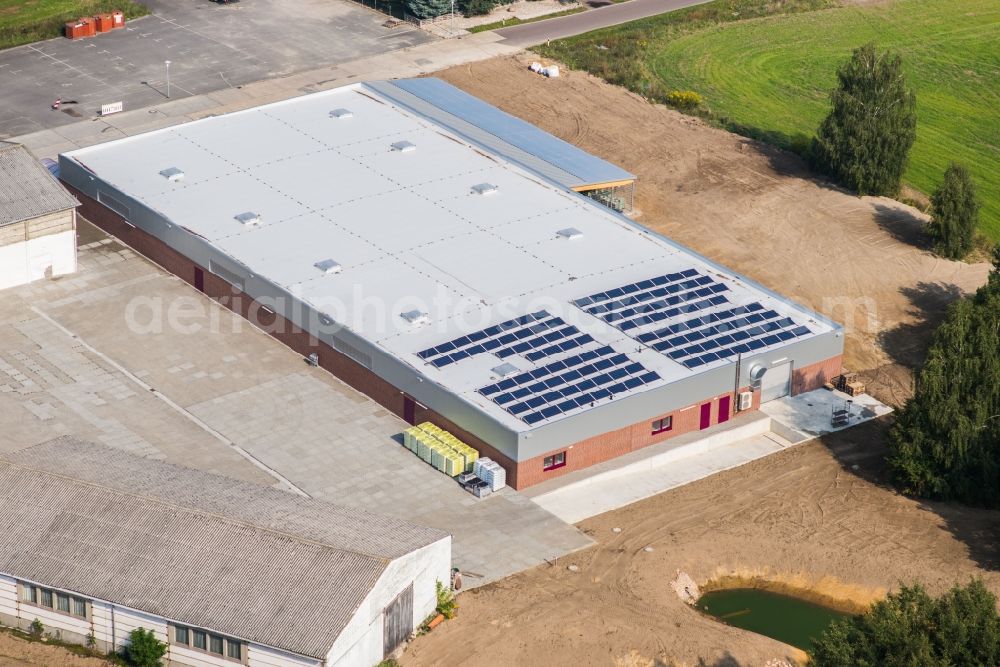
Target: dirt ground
[(861, 261), (803, 516), (818, 516), (17, 652)]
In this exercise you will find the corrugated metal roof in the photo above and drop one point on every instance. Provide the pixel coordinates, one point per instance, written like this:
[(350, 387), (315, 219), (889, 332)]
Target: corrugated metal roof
[(243, 560), (27, 189), (501, 133)]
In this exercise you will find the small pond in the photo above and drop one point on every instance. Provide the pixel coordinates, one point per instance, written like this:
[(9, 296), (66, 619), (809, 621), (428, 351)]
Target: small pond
[(782, 617)]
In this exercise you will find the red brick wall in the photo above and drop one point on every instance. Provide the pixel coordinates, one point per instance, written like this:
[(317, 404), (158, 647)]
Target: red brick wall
[(816, 375), (615, 443)]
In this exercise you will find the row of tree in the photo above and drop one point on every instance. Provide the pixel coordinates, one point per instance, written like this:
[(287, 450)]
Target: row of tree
[(911, 629), (865, 141), (945, 443), (428, 9)]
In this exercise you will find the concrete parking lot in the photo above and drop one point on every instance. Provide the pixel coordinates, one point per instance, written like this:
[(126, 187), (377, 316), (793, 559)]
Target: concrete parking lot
[(210, 47), (217, 394)]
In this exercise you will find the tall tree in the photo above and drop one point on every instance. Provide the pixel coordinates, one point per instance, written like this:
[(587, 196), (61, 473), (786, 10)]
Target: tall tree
[(956, 213), (864, 142), (910, 628), (945, 443)]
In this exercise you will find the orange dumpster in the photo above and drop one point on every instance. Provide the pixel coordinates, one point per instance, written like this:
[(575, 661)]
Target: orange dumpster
[(104, 22), (88, 26), (117, 19), (75, 30)]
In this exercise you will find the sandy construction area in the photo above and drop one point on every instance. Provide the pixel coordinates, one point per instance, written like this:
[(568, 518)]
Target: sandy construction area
[(17, 652), (751, 207), (818, 516), (803, 516)]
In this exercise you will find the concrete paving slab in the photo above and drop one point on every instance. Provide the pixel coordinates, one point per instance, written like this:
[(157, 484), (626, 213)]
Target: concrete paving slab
[(87, 355), (810, 413)]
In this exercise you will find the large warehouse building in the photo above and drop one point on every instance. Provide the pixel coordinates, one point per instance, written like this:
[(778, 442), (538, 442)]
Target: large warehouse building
[(97, 542), (459, 266)]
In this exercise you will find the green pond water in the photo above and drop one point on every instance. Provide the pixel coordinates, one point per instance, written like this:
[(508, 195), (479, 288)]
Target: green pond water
[(787, 619)]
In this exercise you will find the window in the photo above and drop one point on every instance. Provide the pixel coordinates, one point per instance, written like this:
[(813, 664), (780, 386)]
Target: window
[(79, 607), (661, 425), (554, 461), (46, 597), (209, 643)]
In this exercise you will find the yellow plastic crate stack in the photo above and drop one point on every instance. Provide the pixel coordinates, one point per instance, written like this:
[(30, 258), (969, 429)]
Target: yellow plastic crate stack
[(440, 448)]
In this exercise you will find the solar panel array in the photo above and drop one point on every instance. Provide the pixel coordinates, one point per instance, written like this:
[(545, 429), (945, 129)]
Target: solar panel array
[(654, 300), (593, 373), (534, 336), (577, 381), (716, 332)]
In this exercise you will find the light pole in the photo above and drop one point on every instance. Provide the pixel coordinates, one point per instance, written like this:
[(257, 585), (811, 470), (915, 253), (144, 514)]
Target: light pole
[(452, 26), (167, 63)]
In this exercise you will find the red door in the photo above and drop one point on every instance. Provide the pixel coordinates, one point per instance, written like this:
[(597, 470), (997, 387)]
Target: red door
[(409, 410), (724, 403), (706, 415), (199, 279)]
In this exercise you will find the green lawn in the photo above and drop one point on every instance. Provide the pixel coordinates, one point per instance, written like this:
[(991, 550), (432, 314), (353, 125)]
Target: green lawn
[(770, 77), (26, 21)]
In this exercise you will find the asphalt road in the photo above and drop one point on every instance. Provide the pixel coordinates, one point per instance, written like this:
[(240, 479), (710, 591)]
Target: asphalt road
[(210, 47), (530, 34)]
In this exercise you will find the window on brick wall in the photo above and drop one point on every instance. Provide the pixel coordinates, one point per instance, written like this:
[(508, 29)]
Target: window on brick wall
[(662, 425), (554, 461)]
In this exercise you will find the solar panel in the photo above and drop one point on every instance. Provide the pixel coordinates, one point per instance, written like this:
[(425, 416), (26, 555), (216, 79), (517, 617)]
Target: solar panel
[(574, 381)]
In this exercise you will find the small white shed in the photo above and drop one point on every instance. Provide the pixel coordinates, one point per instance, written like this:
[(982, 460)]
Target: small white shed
[(37, 220)]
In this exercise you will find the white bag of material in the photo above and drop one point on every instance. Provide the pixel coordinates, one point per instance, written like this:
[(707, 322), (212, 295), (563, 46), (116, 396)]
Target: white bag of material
[(535, 67), (552, 71)]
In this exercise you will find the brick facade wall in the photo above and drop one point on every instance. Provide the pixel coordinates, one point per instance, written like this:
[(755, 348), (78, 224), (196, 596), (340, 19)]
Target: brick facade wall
[(615, 443), (816, 375), (519, 475)]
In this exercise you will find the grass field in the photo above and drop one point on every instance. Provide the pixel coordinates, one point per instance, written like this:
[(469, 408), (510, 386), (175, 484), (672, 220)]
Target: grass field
[(770, 77), (26, 21)]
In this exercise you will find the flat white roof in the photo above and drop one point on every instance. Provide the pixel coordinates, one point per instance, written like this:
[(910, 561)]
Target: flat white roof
[(411, 231)]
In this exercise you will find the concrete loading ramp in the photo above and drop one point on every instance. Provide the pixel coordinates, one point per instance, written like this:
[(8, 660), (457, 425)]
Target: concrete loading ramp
[(687, 458), (647, 472)]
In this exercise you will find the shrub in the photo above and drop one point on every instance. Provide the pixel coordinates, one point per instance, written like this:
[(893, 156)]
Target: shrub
[(864, 141), (37, 628), (144, 649), (955, 209), (445, 600), (683, 99)]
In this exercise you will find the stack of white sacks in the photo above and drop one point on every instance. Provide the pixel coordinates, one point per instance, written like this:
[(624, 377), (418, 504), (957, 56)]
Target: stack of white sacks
[(551, 71), (490, 472)]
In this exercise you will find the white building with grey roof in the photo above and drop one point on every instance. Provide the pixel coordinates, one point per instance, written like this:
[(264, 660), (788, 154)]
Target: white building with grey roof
[(37, 220), (459, 265), (95, 542)]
